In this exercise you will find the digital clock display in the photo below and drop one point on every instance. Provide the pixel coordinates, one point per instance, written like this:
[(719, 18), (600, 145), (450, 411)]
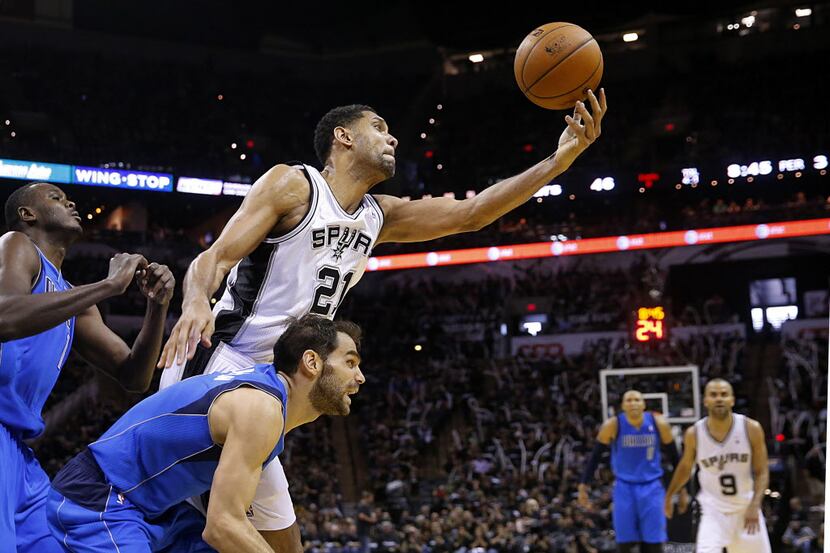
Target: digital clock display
[(650, 324)]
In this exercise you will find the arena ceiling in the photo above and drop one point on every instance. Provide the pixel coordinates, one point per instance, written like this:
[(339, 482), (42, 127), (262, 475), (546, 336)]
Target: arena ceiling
[(360, 25)]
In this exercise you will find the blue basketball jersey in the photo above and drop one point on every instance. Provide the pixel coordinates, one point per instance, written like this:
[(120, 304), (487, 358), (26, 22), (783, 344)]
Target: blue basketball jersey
[(160, 452), (635, 454), (29, 367)]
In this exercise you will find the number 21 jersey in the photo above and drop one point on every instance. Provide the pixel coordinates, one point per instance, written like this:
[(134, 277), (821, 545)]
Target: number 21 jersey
[(309, 269), (725, 467)]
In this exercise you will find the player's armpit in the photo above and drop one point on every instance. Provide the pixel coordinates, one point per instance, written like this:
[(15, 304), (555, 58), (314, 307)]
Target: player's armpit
[(247, 423), (428, 219), (273, 196)]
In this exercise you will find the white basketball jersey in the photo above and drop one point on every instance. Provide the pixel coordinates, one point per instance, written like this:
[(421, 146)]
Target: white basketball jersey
[(724, 468), (309, 269)]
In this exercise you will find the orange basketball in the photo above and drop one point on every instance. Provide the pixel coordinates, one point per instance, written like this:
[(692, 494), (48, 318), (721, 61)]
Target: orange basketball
[(556, 64)]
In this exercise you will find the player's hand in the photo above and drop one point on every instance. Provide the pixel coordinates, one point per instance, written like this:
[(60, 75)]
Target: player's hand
[(195, 324), (582, 496), (584, 127), (123, 268), (157, 282), (752, 519), (683, 501), (668, 506)]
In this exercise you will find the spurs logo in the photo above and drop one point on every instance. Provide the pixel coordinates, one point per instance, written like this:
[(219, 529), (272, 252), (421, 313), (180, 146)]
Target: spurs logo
[(343, 242)]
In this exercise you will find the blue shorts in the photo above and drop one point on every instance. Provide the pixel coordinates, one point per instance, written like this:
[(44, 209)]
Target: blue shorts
[(86, 514), (120, 527), (638, 512), (23, 490)]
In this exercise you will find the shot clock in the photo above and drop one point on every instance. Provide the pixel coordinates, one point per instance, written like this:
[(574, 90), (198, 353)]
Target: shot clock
[(650, 324)]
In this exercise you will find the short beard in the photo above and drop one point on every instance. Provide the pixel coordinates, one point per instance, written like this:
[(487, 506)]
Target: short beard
[(387, 167), (325, 397)]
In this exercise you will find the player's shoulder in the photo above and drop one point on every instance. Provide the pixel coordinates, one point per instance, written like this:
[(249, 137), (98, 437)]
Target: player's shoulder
[(753, 426), (285, 183), (15, 245), (608, 429), (690, 433), (388, 202)]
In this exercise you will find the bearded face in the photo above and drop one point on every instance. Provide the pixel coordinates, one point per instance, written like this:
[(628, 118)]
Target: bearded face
[(328, 396)]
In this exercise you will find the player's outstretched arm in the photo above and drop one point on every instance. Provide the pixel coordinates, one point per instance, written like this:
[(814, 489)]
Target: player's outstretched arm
[(132, 367), (760, 472), (683, 471), (607, 433), (25, 314), (274, 195), (247, 423), (421, 220)]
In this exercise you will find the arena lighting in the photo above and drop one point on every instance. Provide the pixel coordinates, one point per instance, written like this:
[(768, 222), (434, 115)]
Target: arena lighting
[(476, 58), (656, 240), (749, 20), (630, 37), (431, 121), (648, 179), (418, 347), (803, 12)]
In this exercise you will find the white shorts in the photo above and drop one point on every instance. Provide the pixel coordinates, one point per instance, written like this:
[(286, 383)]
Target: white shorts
[(272, 508), (718, 530)]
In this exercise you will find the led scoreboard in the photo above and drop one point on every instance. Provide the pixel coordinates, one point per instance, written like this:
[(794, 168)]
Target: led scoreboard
[(650, 324)]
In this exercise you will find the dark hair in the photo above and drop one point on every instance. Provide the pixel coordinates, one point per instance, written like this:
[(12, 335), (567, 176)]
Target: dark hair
[(310, 332), (337, 117), (17, 199)]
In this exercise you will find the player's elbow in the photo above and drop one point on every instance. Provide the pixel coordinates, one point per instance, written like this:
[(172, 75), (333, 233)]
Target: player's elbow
[(219, 532)]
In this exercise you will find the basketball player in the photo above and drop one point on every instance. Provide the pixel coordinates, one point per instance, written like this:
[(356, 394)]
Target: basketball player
[(301, 240), (733, 470), (635, 436), (41, 317), (212, 432)]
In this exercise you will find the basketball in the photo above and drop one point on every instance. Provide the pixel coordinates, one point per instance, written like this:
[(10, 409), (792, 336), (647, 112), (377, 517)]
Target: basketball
[(556, 64)]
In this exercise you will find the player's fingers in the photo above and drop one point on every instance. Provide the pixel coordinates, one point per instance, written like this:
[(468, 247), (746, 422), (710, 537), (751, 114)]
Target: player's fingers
[(586, 115), (192, 340), (603, 103), (595, 109), (207, 333), (181, 341), (168, 353), (158, 288), (573, 124)]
